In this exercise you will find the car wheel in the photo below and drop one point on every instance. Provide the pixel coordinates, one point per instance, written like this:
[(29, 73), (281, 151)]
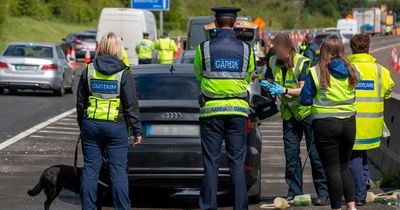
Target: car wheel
[(70, 89), (60, 91), (255, 199)]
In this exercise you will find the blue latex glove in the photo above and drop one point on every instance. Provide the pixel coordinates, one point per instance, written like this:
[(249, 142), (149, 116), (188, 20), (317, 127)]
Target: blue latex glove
[(266, 84), (277, 89)]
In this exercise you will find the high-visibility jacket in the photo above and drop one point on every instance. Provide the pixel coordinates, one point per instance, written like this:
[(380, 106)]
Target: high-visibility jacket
[(224, 65), (303, 48), (166, 48), (374, 87), (144, 49), (105, 92), (125, 58), (336, 101), (290, 104)]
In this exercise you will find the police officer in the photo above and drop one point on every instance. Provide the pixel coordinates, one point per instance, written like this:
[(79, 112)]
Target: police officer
[(145, 49), (330, 91), (223, 65), (125, 58), (288, 70), (374, 87), (107, 107), (166, 48)]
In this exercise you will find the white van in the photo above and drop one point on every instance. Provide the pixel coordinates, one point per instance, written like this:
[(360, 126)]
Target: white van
[(130, 25), (348, 27)]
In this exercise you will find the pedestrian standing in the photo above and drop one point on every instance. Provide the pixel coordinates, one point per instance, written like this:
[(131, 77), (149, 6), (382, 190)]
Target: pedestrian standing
[(144, 49), (330, 91), (286, 74), (223, 65), (375, 86), (107, 107), (166, 48)]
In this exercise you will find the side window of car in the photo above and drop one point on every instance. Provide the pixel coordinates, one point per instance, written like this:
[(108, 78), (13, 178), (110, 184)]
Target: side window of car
[(60, 53)]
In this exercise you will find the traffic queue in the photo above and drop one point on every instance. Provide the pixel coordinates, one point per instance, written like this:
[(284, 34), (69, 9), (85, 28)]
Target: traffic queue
[(335, 101)]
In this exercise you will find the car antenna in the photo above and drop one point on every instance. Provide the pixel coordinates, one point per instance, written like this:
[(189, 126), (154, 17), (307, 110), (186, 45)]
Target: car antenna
[(172, 70)]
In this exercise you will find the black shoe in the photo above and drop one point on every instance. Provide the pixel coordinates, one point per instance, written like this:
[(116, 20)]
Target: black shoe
[(321, 201), (368, 184), (361, 203), (289, 198)]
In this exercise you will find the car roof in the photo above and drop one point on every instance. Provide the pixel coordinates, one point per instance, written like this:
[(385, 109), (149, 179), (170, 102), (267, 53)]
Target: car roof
[(85, 33), (162, 68), (44, 44)]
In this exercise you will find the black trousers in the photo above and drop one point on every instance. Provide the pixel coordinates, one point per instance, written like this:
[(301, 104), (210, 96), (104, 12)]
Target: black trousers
[(334, 139), (214, 131), (145, 61)]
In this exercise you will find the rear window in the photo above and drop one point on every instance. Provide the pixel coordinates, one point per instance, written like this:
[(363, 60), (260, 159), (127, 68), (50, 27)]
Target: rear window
[(88, 37), (31, 51), (167, 86)]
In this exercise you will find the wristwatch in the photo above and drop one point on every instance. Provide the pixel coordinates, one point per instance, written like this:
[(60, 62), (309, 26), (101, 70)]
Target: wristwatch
[(286, 91)]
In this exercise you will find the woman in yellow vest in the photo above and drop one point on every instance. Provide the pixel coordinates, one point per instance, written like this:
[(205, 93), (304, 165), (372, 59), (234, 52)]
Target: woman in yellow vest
[(375, 86), (330, 91), (286, 74), (107, 107)]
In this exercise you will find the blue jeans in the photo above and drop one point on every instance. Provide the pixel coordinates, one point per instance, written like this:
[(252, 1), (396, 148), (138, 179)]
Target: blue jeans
[(293, 131), (111, 137), (214, 130), (359, 168)]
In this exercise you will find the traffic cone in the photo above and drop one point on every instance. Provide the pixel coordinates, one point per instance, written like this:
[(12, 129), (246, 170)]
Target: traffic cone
[(392, 57), (87, 56), (73, 58), (68, 55), (396, 61), (398, 66)]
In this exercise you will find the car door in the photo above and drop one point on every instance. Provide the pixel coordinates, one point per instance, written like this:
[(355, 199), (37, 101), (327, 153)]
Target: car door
[(67, 71)]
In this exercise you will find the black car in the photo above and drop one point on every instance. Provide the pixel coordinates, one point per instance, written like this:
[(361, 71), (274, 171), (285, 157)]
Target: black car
[(81, 42), (170, 155)]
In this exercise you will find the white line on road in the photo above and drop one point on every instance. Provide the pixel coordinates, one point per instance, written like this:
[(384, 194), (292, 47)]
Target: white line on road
[(277, 147), (62, 128), (59, 132), (65, 123), (271, 123), (52, 137), (35, 128), (271, 131), (69, 119)]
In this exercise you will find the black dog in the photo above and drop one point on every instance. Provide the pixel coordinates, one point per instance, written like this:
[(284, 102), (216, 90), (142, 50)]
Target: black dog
[(55, 178)]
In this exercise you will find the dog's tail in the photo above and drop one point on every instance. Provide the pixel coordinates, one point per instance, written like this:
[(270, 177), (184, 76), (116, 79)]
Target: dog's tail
[(37, 189)]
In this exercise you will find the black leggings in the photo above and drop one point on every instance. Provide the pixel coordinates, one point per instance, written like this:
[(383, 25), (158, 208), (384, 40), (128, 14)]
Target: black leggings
[(334, 139)]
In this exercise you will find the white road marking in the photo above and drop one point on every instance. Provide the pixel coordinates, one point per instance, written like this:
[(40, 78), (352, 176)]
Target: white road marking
[(35, 128), (61, 128), (270, 126), (271, 123), (52, 137), (271, 131), (277, 147), (69, 119), (272, 136), (65, 123), (59, 132), (384, 48)]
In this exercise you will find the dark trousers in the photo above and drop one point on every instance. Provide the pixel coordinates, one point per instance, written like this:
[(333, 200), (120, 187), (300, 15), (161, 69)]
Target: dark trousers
[(334, 139), (214, 130), (359, 169), (145, 61), (293, 131), (98, 136)]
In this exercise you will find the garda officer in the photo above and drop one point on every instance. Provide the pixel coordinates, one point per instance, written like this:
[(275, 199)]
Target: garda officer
[(374, 87), (145, 49), (224, 65), (166, 48), (309, 49), (288, 70), (107, 107), (330, 91), (124, 54)]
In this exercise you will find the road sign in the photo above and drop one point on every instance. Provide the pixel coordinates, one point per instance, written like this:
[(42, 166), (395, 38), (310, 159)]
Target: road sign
[(157, 5)]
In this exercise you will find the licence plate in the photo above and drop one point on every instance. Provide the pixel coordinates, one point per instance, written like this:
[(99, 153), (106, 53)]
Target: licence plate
[(154, 130), (25, 67)]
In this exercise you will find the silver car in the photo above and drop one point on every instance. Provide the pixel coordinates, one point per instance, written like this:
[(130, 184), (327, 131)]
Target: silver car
[(37, 66)]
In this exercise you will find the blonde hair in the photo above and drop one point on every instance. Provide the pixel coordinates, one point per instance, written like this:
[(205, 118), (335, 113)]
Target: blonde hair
[(110, 44)]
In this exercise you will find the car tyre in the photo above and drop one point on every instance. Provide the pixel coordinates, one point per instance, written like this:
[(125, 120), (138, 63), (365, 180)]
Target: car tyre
[(255, 199), (60, 91), (70, 90), (12, 91)]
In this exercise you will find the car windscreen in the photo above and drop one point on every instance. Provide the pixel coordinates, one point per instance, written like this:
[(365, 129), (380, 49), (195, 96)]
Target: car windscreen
[(167, 86), (31, 51), (87, 38), (244, 34)]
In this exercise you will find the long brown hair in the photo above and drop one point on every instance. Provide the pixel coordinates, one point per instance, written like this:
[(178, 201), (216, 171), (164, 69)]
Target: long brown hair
[(284, 41), (331, 49)]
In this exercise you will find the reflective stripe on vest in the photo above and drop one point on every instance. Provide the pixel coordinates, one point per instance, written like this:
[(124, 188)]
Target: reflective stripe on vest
[(296, 71), (213, 95), (224, 109), (210, 74), (379, 98)]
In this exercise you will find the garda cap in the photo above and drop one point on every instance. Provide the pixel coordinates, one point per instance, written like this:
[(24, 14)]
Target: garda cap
[(146, 34), (226, 11)]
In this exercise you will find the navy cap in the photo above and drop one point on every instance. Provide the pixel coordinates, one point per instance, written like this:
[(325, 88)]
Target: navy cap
[(226, 11), (145, 34)]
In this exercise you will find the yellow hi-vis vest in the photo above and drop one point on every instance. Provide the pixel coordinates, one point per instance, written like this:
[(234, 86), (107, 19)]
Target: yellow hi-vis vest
[(125, 58), (144, 49), (370, 107), (290, 104), (166, 48), (105, 99), (336, 101)]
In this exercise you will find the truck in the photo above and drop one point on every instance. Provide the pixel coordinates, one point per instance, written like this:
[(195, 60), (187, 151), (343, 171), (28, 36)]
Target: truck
[(368, 19), (348, 27), (129, 24)]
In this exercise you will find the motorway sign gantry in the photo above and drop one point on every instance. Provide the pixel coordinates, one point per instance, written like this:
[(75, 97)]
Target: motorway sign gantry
[(156, 5)]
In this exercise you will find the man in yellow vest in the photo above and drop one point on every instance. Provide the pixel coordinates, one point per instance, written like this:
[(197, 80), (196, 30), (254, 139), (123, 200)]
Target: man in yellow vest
[(223, 65), (144, 49), (166, 48), (374, 88)]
